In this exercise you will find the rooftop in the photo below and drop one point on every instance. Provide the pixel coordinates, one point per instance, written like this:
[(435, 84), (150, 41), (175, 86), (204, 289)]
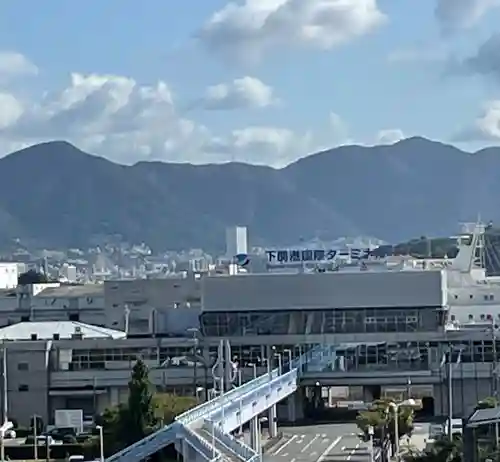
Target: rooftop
[(84, 290), (45, 330), (484, 417)]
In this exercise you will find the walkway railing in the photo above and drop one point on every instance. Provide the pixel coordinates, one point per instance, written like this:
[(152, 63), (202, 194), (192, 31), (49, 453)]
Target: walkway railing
[(237, 446), (206, 408), (321, 354)]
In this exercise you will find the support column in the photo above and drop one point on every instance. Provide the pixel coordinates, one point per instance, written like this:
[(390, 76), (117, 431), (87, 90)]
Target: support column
[(292, 408), (255, 434), (228, 367), (273, 422)]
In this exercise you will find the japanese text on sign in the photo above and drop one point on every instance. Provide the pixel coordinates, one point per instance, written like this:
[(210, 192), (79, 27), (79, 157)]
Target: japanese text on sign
[(308, 255)]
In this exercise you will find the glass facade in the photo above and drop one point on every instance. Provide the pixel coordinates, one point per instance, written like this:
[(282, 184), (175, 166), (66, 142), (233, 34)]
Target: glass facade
[(97, 358), (410, 356), (226, 324), (398, 356)]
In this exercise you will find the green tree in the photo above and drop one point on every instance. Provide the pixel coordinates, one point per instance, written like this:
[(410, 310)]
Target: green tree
[(486, 403), (381, 418), (168, 406), (138, 419), (31, 277), (443, 450), (125, 424)]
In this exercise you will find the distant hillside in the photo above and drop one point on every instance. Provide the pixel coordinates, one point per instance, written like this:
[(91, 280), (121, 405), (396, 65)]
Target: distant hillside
[(57, 195)]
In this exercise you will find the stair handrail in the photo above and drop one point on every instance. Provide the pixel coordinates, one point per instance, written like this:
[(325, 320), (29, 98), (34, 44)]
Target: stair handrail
[(237, 446), (204, 409), (192, 434)]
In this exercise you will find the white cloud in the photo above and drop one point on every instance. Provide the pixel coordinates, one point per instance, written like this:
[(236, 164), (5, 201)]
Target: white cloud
[(390, 136), (15, 64), (245, 30), (110, 115), (125, 121), (244, 93), (485, 128), (264, 145), (462, 14), (10, 110)]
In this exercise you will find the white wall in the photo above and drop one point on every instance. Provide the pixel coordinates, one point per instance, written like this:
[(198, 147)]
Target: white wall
[(8, 275)]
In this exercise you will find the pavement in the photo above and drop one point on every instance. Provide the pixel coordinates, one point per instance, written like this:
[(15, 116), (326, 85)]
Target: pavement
[(418, 440), (333, 443), (320, 443)]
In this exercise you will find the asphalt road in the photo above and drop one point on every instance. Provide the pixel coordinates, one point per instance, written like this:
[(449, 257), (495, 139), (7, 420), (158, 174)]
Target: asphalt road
[(320, 443)]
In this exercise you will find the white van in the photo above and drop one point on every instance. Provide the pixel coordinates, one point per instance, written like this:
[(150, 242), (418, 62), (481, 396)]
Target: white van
[(456, 427)]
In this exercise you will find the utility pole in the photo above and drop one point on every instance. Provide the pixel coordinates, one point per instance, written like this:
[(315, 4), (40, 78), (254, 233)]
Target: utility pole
[(5, 403), (450, 396), (5, 410), (494, 375)]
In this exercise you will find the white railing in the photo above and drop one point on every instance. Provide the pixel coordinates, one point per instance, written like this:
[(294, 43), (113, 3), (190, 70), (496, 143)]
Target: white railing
[(171, 433), (203, 446), (238, 447), (204, 409), (166, 435)]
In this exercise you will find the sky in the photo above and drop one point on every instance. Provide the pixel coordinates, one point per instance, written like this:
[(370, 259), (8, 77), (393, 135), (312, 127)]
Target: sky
[(257, 81)]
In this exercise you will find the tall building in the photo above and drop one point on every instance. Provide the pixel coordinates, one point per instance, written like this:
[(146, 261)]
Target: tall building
[(236, 240)]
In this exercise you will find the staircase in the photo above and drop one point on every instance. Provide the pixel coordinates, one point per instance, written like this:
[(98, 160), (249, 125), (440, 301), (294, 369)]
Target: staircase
[(213, 442)]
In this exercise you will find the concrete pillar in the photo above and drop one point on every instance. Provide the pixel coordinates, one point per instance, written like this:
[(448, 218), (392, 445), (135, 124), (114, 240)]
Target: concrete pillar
[(295, 406), (114, 396), (292, 408), (367, 395), (270, 358), (228, 366), (273, 422), (255, 434), (185, 450)]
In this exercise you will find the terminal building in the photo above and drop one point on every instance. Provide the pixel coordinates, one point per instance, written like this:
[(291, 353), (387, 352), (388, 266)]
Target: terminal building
[(388, 328), (394, 331)]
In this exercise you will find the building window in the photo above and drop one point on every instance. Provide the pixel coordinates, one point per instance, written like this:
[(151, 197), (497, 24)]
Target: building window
[(23, 388), (23, 367)]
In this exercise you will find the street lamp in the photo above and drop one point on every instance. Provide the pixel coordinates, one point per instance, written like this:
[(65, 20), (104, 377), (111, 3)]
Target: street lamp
[(395, 408), (199, 391), (370, 434), (277, 355), (261, 421), (289, 354), (35, 436), (195, 331), (101, 442), (254, 366)]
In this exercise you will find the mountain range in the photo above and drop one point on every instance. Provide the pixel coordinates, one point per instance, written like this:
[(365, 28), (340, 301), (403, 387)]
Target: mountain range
[(55, 195)]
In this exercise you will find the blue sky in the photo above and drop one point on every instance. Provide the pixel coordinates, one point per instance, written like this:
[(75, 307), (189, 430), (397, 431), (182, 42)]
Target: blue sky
[(260, 81)]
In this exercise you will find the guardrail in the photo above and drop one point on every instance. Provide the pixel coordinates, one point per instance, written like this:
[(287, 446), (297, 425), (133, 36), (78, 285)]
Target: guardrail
[(166, 435), (238, 447), (204, 409), (202, 445)]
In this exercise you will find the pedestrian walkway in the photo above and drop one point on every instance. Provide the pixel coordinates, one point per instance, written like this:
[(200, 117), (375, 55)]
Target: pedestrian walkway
[(225, 414)]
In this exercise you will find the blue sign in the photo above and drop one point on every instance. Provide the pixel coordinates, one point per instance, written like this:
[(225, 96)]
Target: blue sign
[(242, 259), (287, 256)]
